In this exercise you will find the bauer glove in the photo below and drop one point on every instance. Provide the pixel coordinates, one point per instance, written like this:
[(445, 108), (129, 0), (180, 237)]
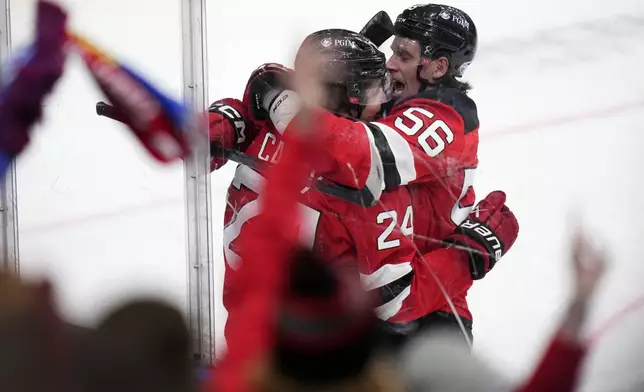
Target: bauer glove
[(487, 233)]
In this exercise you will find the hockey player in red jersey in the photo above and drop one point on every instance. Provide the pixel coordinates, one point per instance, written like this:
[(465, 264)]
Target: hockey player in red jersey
[(378, 238), (433, 46), (373, 238), (428, 140)]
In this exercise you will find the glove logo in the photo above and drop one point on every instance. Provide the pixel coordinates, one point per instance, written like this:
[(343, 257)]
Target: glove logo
[(234, 117), (487, 234), (281, 100)]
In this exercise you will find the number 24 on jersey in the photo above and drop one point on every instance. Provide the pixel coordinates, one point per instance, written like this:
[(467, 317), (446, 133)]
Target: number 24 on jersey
[(387, 239)]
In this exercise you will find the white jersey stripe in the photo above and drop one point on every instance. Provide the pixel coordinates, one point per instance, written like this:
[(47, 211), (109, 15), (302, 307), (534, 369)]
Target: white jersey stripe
[(402, 153), (383, 276), (376, 179), (388, 310)]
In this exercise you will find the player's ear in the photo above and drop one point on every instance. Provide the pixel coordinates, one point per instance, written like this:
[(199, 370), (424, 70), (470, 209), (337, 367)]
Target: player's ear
[(441, 67), (434, 69)]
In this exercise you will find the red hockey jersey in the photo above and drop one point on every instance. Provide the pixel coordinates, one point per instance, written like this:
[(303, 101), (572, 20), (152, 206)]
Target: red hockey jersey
[(377, 237), (428, 143), (427, 139)]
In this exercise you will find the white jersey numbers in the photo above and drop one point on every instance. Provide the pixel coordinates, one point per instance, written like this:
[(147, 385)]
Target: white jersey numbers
[(431, 140), (387, 240)]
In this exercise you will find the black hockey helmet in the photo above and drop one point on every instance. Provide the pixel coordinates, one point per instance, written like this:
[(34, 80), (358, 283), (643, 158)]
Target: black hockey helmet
[(353, 65), (441, 30)]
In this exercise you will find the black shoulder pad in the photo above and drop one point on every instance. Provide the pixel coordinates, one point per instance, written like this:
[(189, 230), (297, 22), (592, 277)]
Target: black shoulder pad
[(457, 99)]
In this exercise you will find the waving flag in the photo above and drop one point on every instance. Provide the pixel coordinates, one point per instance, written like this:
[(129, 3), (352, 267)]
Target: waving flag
[(28, 78), (159, 122)]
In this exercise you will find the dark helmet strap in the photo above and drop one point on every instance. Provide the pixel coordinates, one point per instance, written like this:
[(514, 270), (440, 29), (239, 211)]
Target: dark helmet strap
[(345, 108), (424, 83), (386, 107)]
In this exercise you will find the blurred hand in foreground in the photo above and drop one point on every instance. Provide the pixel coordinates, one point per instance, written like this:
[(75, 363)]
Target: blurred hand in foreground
[(589, 265)]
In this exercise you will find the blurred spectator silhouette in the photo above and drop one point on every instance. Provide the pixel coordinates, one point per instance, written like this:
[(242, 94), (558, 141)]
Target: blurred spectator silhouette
[(141, 346), (436, 362), (327, 334), (30, 335)]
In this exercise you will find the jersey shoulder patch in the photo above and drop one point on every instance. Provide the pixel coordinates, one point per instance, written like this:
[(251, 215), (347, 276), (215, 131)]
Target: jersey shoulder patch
[(458, 100)]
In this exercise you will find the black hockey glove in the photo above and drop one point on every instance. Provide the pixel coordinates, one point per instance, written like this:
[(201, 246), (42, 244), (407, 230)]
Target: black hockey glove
[(265, 84), (487, 233), (379, 28)]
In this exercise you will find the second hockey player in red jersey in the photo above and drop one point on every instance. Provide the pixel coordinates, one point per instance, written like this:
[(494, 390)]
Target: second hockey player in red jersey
[(427, 141), (336, 229)]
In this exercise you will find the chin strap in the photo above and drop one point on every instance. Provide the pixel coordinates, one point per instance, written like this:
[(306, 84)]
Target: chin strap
[(424, 83), (386, 107), (345, 109)]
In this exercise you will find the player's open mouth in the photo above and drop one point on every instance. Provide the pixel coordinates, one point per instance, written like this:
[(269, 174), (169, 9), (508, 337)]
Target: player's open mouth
[(398, 87)]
